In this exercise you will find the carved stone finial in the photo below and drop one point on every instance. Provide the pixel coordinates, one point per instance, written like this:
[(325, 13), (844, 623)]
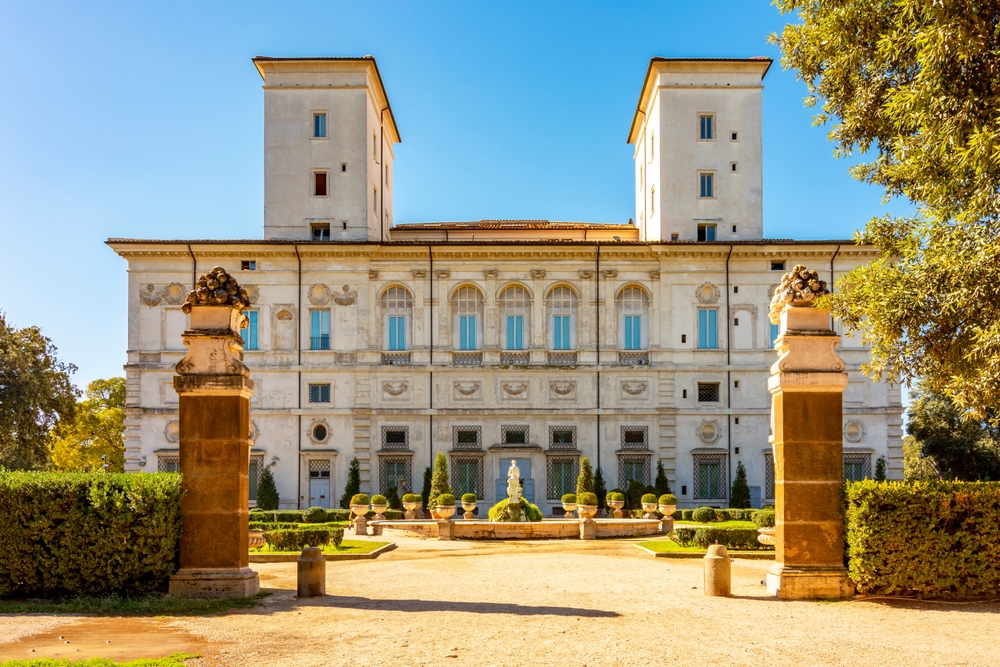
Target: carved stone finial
[(217, 288), (798, 289)]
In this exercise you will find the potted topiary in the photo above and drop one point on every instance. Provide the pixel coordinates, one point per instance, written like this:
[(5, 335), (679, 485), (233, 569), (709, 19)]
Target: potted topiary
[(668, 505), (616, 501), (359, 507), (586, 505), (569, 504), (445, 505), (379, 504), (648, 501), (469, 505), (412, 502)]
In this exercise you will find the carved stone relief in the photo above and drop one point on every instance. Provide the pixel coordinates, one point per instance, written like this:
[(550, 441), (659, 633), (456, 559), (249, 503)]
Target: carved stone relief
[(345, 297), (154, 295), (395, 389), (467, 390), (562, 390), (854, 431), (538, 274), (318, 295), (253, 293), (631, 390), (707, 293), (283, 326), (709, 432), (514, 390)]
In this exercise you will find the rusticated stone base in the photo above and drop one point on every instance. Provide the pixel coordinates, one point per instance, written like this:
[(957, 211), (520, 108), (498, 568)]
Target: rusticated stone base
[(214, 583), (666, 525), (809, 583)]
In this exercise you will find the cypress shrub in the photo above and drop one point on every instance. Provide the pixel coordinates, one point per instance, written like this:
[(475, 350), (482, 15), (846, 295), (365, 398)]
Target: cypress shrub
[(924, 538), (425, 493), (661, 485), (741, 489), (439, 480), (88, 533), (880, 469), (392, 497), (585, 481), (353, 485), (267, 491), (600, 489)]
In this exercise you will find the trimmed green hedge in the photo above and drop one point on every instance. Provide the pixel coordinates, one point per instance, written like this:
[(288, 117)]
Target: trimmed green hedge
[(262, 525), (930, 539), (299, 538), (742, 539), (88, 533), (298, 516)]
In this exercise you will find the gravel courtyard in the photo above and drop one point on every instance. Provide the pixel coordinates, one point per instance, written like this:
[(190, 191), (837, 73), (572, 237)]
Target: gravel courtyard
[(530, 603)]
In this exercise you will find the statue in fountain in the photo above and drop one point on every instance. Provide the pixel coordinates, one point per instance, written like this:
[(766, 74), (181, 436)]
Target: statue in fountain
[(514, 509)]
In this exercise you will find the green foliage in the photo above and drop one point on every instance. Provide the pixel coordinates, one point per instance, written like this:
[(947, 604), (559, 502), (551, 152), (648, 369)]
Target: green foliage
[(585, 480), (426, 491), (87, 533), (149, 604), (390, 515), (314, 515), (439, 480), (379, 499), (360, 499), (703, 515), (600, 490), (740, 497), (412, 498), (392, 497), (735, 514), (913, 87), (957, 446), (93, 438), (880, 469), (743, 539), (615, 494), (568, 498), (683, 536), (35, 393), (764, 518), (587, 499), (267, 491), (667, 499), (353, 485), (445, 500), (633, 496), (930, 539), (175, 660), (299, 538), (686, 515), (469, 498), (915, 466), (661, 484), (499, 512), (648, 498), (296, 516)]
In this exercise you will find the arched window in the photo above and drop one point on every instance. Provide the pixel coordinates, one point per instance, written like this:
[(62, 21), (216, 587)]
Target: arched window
[(467, 305), (633, 314), (561, 304), (515, 311), (397, 313)]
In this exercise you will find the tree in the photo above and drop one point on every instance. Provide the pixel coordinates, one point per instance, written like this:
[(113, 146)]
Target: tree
[(661, 484), (958, 448), (915, 85), (740, 493), (600, 489), (94, 437), (880, 469), (267, 491), (426, 490), (585, 481), (915, 466), (35, 393), (439, 480), (353, 486)]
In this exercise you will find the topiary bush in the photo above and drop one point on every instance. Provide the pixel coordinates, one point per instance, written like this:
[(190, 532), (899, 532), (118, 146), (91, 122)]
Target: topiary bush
[(703, 515), (379, 499), (661, 485), (686, 515), (412, 498), (683, 536), (499, 511), (392, 498), (300, 538), (615, 495), (315, 515), (667, 499), (439, 481), (648, 498), (585, 480), (360, 499), (353, 485), (600, 490), (742, 539), (764, 518), (569, 499), (740, 491), (267, 491), (88, 533), (469, 498), (587, 498), (446, 500)]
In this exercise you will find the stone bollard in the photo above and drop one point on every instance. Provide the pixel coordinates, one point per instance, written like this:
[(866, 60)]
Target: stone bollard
[(446, 529), (312, 573), (666, 525), (588, 529), (361, 526), (718, 572)]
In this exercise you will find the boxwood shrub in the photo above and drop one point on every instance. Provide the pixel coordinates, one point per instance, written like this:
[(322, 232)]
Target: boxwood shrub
[(446, 499), (648, 498), (412, 498), (360, 499), (379, 500), (703, 515), (88, 533), (299, 538), (930, 539), (742, 539), (764, 518), (469, 498), (297, 516), (587, 498), (686, 515), (615, 495), (315, 515), (667, 499), (569, 498)]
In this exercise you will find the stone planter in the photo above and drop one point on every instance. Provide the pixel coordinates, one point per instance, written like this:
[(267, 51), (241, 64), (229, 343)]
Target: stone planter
[(379, 512), (667, 510), (469, 509), (766, 536), (359, 510), (256, 539), (569, 509), (617, 506), (586, 511), (411, 510), (445, 511), (650, 510)]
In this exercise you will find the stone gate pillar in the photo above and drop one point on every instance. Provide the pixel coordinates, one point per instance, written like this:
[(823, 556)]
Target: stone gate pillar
[(214, 413), (806, 385)]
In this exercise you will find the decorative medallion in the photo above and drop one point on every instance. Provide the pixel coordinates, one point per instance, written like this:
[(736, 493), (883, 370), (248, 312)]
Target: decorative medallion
[(854, 431), (654, 274), (319, 295), (151, 295), (172, 431), (284, 316), (585, 274), (372, 274), (346, 297), (610, 273), (538, 274), (418, 273), (708, 431), (707, 293), (490, 273)]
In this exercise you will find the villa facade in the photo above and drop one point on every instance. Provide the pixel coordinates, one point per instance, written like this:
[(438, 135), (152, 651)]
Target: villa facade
[(531, 340)]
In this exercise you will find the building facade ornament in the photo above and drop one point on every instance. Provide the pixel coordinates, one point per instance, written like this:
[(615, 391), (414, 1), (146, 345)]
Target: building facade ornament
[(346, 297), (538, 274), (709, 432), (466, 388), (151, 295), (610, 273), (854, 431), (799, 288), (394, 389), (217, 288), (514, 388), (490, 274), (318, 295), (443, 274), (562, 387), (634, 388), (707, 293), (372, 274), (585, 274), (253, 292), (418, 274)]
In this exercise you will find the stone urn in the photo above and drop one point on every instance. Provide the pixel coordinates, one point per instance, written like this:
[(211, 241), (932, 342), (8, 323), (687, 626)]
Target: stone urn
[(444, 511), (668, 510), (469, 509), (766, 536), (617, 506), (255, 539), (586, 511), (569, 508), (379, 511), (411, 509), (359, 510), (650, 510)]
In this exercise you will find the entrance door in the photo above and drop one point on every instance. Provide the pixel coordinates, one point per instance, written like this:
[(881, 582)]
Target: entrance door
[(319, 484), (527, 482)]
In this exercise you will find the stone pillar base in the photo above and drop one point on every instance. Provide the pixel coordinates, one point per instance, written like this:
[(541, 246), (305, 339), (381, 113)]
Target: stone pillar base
[(666, 525), (214, 583), (445, 529), (588, 529), (361, 526), (805, 583)]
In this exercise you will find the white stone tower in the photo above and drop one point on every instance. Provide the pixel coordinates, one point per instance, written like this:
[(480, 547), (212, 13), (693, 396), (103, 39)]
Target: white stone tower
[(328, 139), (697, 137)]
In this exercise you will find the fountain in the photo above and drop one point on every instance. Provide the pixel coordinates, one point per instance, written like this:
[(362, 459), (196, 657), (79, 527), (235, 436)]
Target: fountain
[(514, 510)]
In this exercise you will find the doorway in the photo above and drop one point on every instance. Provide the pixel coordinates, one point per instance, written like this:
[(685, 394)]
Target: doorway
[(319, 484)]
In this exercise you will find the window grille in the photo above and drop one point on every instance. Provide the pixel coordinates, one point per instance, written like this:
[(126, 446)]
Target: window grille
[(168, 463), (397, 312), (632, 312), (633, 467), (769, 476), (395, 471), (466, 437), (319, 469), (710, 477), (562, 437), (561, 304), (319, 432), (635, 437), (561, 473), (515, 311), (319, 393), (857, 466), (395, 437), (708, 392), (467, 473), (514, 435), (256, 470)]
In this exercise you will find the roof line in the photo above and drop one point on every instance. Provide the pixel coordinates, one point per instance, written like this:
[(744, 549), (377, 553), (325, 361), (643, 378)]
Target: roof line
[(290, 242)]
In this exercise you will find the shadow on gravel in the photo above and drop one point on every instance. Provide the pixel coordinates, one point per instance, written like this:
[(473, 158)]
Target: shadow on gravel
[(353, 602)]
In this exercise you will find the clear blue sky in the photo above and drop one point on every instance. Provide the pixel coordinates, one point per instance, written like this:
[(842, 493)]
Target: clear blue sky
[(144, 119)]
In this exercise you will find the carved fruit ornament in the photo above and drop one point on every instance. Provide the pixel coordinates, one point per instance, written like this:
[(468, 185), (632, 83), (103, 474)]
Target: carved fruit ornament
[(799, 288), (217, 288)]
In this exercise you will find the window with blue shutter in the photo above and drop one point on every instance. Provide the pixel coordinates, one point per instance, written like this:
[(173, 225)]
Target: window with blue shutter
[(633, 332), (560, 332), (319, 125), (515, 332), (707, 185), (467, 332), (707, 332), (250, 332), (775, 330), (397, 332), (320, 333)]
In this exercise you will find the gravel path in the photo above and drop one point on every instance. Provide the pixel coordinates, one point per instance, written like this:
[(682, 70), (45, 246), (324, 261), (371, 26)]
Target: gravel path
[(557, 603)]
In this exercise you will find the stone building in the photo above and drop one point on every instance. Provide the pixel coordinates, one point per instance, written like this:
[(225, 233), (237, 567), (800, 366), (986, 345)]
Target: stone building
[(631, 343)]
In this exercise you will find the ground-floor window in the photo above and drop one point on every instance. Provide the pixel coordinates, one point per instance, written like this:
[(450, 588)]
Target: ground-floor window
[(769, 476), (467, 473), (857, 466), (633, 467), (710, 477), (562, 474), (168, 463), (395, 471), (256, 470)]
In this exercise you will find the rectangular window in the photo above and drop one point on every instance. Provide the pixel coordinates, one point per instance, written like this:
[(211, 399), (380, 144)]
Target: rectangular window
[(706, 185), (319, 393), (560, 332), (633, 470), (256, 470), (705, 130), (250, 332), (769, 476), (320, 330), (466, 437), (563, 438), (319, 183), (633, 332), (467, 476), (732, 167), (708, 479), (635, 437), (515, 435), (857, 467), (319, 125), (321, 232), (169, 463), (775, 329), (397, 332), (395, 473), (707, 331), (515, 332), (777, 266), (395, 437), (248, 265), (563, 477), (467, 332), (708, 392), (734, 137), (706, 232)]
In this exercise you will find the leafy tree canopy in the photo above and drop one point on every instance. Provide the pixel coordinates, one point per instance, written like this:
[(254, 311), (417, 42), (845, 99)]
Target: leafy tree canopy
[(35, 393), (956, 448), (95, 435), (914, 88)]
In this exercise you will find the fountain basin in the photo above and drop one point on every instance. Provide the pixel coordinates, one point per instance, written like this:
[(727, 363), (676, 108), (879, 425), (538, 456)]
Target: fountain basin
[(558, 529)]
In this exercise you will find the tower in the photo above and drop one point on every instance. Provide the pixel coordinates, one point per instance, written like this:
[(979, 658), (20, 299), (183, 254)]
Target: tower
[(697, 138), (329, 133)]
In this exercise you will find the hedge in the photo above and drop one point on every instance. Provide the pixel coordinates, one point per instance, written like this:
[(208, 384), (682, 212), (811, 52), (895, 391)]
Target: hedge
[(742, 539), (298, 516), (929, 539), (265, 526), (88, 533), (299, 538)]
